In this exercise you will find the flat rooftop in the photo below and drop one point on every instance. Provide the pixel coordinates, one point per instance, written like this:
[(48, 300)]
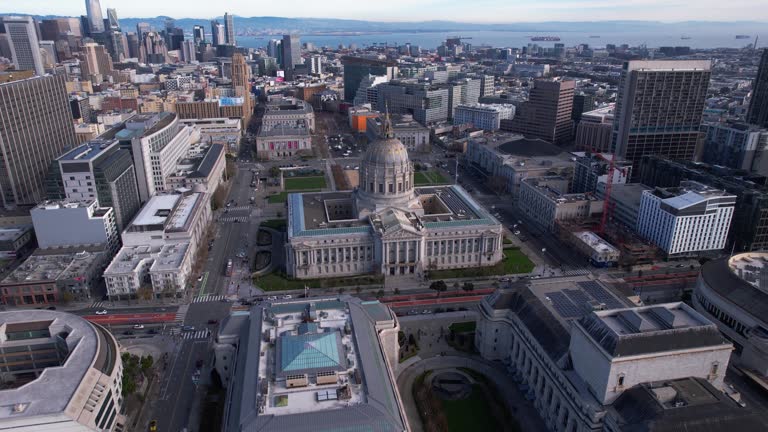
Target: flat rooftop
[(540, 184), (157, 210), (595, 242), (629, 194), (170, 257), (128, 258), (88, 151), (650, 329), (313, 365), (48, 267)]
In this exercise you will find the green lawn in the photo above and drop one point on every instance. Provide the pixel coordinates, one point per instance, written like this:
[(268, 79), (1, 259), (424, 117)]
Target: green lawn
[(463, 327), (279, 198), (278, 282), (275, 224), (428, 178), (305, 183), (471, 414), (514, 262)]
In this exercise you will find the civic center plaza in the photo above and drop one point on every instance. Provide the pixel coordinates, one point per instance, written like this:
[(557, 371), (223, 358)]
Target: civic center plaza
[(586, 357), (387, 225)]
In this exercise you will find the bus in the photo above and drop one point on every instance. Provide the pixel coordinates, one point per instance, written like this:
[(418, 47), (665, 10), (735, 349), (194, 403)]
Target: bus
[(228, 271)]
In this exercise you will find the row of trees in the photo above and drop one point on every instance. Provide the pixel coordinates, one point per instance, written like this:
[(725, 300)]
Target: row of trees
[(440, 286), (135, 370)]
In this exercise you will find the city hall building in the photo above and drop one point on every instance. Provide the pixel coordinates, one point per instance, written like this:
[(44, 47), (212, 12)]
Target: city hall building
[(387, 225)]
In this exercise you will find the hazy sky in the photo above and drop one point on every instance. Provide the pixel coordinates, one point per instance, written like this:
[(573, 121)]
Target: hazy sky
[(478, 11)]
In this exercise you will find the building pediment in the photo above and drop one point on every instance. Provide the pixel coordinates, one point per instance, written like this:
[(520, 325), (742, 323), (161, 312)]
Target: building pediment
[(401, 234)]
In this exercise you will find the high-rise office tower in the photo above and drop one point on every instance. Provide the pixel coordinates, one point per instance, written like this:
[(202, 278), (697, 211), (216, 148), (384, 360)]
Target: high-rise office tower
[(241, 82), (23, 43), (133, 44), (96, 61), (659, 108), (229, 28), (114, 24), (547, 114), (758, 105), (142, 28), (95, 17), (357, 68), (291, 53), (275, 50), (35, 128), (188, 51), (198, 34), (153, 49), (218, 35), (98, 170)]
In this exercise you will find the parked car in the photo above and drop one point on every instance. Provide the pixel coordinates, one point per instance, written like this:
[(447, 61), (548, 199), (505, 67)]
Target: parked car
[(153, 426), (101, 312), (138, 326), (213, 321), (188, 328)]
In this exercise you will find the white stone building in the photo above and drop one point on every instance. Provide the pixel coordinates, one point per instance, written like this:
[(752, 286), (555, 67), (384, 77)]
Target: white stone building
[(388, 226), (573, 360), (688, 219), (224, 131), (160, 246), (545, 201), (483, 116), (158, 142)]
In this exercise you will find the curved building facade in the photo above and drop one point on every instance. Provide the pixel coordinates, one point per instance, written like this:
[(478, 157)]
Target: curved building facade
[(733, 293), (59, 373)]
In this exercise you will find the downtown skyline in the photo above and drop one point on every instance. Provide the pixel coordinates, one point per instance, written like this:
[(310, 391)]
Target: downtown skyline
[(449, 10)]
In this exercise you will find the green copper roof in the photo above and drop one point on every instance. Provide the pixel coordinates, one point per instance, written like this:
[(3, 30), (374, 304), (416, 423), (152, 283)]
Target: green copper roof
[(309, 351)]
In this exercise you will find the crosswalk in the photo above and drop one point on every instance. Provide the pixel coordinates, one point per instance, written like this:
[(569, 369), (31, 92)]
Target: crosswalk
[(233, 219), (97, 305), (181, 313), (198, 334), (239, 208), (575, 272), (208, 298)]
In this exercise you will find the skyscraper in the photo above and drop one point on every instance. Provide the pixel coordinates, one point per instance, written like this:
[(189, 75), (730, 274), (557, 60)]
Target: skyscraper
[(141, 29), (218, 35), (547, 114), (95, 17), (229, 29), (25, 48), (35, 128), (114, 24), (291, 53), (659, 108), (241, 82), (357, 68), (96, 61), (758, 105), (198, 34)]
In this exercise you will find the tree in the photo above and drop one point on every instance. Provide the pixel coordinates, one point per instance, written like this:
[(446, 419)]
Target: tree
[(468, 286), (396, 291), (274, 172), (456, 286), (218, 198), (341, 290), (379, 293), (358, 289), (438, 286), (145, 292), (146, 363), (67, 297)]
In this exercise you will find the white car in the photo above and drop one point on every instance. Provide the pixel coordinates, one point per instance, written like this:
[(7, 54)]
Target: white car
[(138, 326), (101, 312), (287, 297)]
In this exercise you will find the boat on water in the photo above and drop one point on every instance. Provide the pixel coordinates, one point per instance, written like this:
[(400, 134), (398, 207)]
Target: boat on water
[(594, 37), (685, 37), (545, 38), (743, 36)]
